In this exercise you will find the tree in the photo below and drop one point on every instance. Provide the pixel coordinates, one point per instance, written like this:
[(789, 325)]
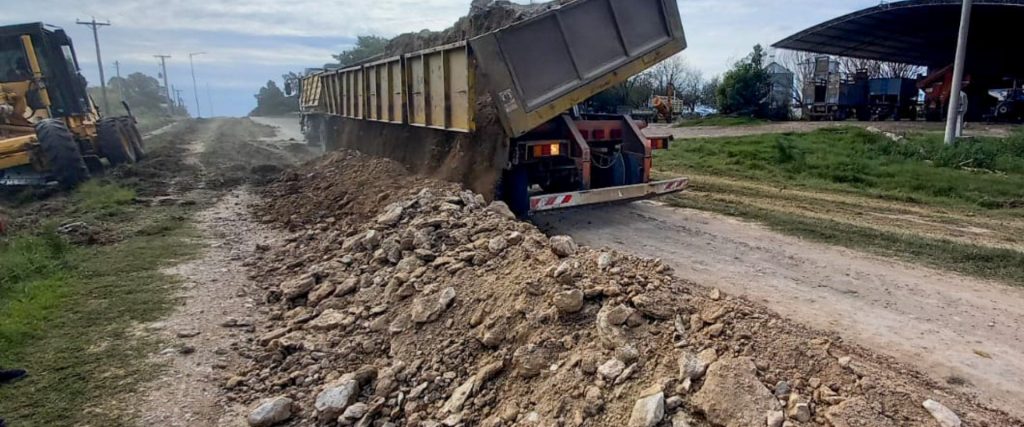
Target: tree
[(271, 101), (143, 94), (366, 47), (745, 88), (802, 65), (709, 91)]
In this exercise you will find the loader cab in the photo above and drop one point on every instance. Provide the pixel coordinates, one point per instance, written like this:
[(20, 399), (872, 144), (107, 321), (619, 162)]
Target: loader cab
[(61, 76)]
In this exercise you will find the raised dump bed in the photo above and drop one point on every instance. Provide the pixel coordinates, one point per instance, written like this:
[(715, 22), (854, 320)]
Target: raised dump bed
[(525, 79)]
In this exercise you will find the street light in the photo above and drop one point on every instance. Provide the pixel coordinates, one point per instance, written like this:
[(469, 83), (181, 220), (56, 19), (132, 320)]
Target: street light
[(195, 88)]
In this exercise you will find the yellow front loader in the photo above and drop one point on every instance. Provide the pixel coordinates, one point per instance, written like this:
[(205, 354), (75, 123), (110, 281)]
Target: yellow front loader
[(50, 129)]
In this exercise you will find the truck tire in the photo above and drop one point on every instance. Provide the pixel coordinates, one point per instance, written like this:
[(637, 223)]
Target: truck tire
[(514, 190), (114, 143), (132, 131), (62, 153)]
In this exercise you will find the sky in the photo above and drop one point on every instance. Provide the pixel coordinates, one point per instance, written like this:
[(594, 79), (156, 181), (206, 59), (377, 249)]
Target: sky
[(247, 42)]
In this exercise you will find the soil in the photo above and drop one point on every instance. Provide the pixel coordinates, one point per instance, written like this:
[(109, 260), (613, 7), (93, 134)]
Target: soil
[(959, 330), (214, 162)]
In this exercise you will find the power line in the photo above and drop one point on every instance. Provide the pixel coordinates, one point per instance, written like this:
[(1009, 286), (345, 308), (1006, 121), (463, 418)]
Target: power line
[(99, 59)]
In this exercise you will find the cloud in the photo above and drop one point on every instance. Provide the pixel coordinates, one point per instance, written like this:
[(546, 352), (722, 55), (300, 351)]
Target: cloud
[(250, 41)]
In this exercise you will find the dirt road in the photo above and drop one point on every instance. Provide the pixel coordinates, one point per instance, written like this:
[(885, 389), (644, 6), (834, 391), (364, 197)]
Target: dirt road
[(974, 129), (217, 306), (958, 329)]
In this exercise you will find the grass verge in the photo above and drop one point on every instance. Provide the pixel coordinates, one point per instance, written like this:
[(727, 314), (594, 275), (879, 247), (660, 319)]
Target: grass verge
[(983, 173), (979, 261), (67, 313)]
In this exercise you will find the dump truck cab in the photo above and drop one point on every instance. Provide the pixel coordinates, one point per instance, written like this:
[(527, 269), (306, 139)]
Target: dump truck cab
[(50, 129)]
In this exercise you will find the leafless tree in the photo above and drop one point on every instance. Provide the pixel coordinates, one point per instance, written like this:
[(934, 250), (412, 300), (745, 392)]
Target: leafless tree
[(802, 66), (878, 69)]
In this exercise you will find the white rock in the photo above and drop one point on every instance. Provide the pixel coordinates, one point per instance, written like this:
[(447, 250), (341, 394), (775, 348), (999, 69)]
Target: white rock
[(391, 215), (605, 261), (563, 246), (611, 369), (502, 209), (328, 320), (691, 366), (497, 245), (336, 397), (775, 418), (271, 412), (945, 416), (649, 411), (568, 301), (355, 412)]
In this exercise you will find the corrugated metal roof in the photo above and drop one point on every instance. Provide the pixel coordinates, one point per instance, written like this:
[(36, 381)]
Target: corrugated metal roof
[(920, 32)]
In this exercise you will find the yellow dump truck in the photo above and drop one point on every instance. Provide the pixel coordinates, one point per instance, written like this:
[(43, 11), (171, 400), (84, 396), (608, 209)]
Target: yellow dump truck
[(50, 129), (425, 107)]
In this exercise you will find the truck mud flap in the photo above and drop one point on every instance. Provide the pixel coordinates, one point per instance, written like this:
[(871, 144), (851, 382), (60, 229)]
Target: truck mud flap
[(550, 202)]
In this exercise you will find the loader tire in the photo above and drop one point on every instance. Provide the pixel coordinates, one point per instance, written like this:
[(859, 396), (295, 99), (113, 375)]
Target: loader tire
[(62, 153), (114, 143), (132, 131)]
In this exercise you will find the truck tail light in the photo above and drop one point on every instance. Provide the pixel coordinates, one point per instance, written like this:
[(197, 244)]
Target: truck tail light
[(547, 150)]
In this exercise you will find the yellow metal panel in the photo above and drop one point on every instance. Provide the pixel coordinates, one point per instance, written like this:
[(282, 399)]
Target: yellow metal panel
[(360, 109), (436, 78), (17, 159), (384, 92), (459, 106), (397, 92), (418, 90), (372, 104)]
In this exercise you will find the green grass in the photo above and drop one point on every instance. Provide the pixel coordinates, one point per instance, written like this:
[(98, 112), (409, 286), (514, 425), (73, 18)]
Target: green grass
[(979, 261), (67, 312), (721, 121), (983, 173), (103, 199)]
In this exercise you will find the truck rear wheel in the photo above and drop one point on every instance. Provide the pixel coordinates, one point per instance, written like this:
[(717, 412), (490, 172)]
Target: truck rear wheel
[(114, 143), (132, 131), (62, 154)]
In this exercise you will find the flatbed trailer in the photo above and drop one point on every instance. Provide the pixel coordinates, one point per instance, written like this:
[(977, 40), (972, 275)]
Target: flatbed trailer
[(533, 74)]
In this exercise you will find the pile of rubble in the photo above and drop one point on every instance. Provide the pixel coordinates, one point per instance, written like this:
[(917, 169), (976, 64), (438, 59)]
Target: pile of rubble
[(398, 301)]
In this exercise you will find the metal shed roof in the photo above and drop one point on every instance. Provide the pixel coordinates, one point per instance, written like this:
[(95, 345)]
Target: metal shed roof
[(920, 32)]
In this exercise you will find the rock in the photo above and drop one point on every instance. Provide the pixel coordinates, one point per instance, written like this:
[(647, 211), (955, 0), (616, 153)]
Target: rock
[(271, 412), (605, 261), (497, 244), (845, 361), (234, 382), (775, 418), (502, 209), (392, 214), (627, 354), (648, 411), (733, 396), (568, 301), (782, 390), (715, 330), (295, 288), (322, 292), (715, 294), (798, 409), (945, 416), (619, 314), (330, 319), (673, 403), (611, 369), (563, 246), (856, 412), (354, 413), (691, 366), (336, 397), (428, 308)]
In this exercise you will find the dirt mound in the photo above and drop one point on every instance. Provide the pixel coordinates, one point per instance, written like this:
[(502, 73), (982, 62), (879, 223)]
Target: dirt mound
[(403, 301), (484, 16)]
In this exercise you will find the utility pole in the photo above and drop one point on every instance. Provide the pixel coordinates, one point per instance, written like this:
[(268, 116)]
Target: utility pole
[(117, 69), (99, 59), (167, 89), (195, 87), (952, 118)]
